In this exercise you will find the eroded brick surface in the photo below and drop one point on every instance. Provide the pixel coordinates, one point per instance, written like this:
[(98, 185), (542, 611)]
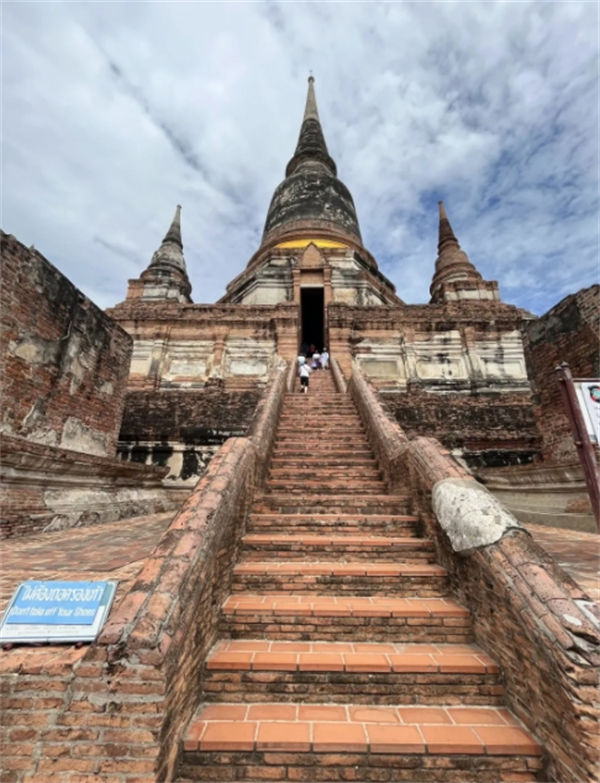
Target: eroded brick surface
[(65, 363), (124, 546), (575, 551), (48, 489), (567, 332)]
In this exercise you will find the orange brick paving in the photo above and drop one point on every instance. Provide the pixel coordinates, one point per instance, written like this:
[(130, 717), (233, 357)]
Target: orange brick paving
[(347, 728), (340, 569), (114, 550), (265, 655), (344, 607), (575, 551)]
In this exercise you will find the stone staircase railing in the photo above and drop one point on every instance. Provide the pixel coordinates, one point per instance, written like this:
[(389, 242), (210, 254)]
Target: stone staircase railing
[(528, 614), (134, 690)]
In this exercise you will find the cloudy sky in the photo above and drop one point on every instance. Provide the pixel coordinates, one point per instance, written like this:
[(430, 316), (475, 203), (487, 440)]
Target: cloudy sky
[(114, 112)]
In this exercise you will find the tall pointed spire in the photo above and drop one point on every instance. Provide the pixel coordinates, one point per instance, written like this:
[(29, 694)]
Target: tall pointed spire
[(311, 112), (311, 150), (166, 276), (311, 200), (170, 253), (455, 276), (446, 235), (174, 232)]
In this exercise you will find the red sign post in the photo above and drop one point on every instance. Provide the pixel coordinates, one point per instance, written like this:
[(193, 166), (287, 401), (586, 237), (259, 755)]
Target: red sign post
[(581, 438)]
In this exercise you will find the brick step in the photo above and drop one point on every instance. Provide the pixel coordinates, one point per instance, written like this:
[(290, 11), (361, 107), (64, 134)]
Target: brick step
[(329, 451), (319, 395), (333, 415), (323, 448), (304, 440), (356, 578), (324, 418), (261, 670), (333, 409), (324, 395), (318, 431), (351, 524), (345, 618), (304, 411), (315, 473), (318, 472), (364, 486), (324, 742), (315, 439), (368, 479), (310, 547), (331, 504), (331, 466), (324, 461), (302, 436)]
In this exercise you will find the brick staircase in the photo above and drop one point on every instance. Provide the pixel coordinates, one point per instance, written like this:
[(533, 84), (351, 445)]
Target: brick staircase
[(343, 656)]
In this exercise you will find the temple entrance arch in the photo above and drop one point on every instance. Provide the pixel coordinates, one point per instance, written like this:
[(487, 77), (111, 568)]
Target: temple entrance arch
[(312, 317)]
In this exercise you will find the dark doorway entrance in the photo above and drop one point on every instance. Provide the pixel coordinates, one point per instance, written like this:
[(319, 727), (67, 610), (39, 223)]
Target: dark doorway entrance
[(313, 317)]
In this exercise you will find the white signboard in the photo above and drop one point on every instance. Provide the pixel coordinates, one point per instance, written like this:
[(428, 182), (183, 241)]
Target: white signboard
[(588, 396), (57, 612)]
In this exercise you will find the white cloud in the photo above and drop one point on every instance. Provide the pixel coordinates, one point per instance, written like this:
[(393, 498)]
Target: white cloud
[(114, 113)]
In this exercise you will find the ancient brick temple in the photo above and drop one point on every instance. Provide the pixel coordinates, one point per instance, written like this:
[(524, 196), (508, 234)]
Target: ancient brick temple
[(453, 368), (350, 604)]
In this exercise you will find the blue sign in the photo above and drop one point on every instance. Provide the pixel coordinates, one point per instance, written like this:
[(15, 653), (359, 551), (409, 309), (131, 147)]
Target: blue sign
[(57, 611), (56, 603)]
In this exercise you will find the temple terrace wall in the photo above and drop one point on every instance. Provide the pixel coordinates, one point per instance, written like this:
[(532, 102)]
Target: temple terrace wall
[(64, 362), (569, 332), (182, 429)]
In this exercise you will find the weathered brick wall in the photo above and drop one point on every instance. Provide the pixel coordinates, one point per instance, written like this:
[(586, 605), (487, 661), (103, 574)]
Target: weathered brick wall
[(523, 605), (183, 429), (117, 709), (569, 332), (120, 711), (199, 416), (45, 488), (265, 421), (64, 362), (525, 617), (491, 429), (34, 697)]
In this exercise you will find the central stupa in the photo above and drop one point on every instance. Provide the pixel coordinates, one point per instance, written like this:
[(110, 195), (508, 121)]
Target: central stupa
[(311, 196), (311, 248)]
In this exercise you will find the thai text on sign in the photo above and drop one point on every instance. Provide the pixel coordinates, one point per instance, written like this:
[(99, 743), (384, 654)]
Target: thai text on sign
[(57, 611)]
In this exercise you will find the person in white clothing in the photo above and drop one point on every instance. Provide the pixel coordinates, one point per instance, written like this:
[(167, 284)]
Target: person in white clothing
[(304, 373), (324, 359)]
